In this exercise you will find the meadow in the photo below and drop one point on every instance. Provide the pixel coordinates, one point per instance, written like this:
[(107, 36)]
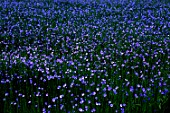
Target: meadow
[(65, 57)]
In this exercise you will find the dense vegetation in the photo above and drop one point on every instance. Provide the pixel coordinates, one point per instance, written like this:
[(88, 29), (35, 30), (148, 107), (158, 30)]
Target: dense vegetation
[(67, 57)]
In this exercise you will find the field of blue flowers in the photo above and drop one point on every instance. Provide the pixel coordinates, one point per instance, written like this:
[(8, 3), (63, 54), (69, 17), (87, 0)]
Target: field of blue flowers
[(65, 57)]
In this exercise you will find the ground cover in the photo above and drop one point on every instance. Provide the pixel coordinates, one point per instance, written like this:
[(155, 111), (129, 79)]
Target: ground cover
[(65, 57)]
